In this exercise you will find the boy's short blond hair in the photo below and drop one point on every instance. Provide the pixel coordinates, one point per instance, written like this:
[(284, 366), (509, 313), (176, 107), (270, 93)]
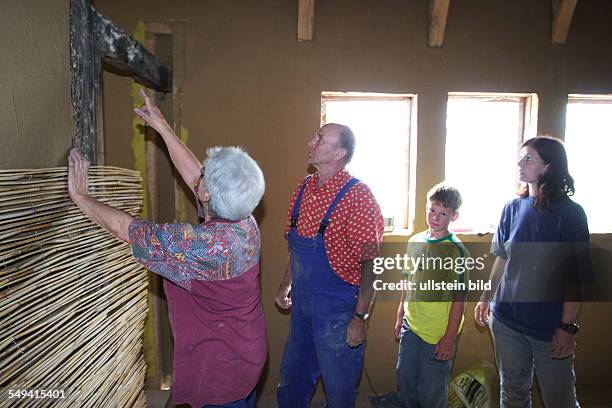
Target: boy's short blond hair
[(446, 195)]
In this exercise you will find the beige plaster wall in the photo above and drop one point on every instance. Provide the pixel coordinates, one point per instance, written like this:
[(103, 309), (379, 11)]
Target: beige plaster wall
[(35, 110), (249, 82)]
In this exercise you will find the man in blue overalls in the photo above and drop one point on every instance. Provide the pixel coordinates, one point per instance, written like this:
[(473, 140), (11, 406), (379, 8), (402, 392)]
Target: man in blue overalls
[(334, 231)]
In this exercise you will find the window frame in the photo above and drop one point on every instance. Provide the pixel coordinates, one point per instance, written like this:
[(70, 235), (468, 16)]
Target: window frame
[(591, 99), (528, 124), (412, 99)]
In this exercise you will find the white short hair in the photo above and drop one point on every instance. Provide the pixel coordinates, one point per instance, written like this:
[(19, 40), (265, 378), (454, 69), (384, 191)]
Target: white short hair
[(234, 181)]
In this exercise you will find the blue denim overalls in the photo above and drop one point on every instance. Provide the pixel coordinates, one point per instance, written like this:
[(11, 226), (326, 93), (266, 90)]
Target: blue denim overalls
[(322, 307)]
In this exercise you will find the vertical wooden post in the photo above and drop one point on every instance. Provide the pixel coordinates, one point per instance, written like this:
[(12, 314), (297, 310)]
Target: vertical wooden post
[(166, 41), (82, 56), (98, 155)]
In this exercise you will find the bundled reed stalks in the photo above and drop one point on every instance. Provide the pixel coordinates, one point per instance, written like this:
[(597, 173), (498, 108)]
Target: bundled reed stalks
[(72, 300)]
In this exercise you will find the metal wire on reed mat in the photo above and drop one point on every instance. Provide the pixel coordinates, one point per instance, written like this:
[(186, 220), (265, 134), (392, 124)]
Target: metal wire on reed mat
[(72, 300)]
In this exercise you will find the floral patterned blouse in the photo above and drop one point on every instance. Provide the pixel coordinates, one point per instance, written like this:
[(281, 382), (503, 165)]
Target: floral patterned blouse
[(184, 252)]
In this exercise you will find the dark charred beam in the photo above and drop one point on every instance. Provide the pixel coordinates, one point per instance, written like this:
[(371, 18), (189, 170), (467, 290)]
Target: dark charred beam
[(82, 56), (94, 38), (98, 75), (123, 52)]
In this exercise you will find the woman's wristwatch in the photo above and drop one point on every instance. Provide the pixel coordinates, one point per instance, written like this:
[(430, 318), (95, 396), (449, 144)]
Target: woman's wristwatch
[(571, 328)]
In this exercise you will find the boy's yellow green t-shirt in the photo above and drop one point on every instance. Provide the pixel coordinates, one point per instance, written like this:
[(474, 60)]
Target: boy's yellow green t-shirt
[(437, 269)]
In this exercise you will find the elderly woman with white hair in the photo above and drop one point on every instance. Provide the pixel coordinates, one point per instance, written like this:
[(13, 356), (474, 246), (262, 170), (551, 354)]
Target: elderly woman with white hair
[(211, 269)]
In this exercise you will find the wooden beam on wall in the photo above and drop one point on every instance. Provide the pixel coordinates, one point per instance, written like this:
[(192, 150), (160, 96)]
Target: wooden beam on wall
[(82, 57), (305, 20), (94, 37), (122, 51), (165, 40), (438, 13), (563, 12), (98, 75)]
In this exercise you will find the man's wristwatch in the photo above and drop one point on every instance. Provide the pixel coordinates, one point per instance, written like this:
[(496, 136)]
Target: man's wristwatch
[(361, 316), (571, 328)]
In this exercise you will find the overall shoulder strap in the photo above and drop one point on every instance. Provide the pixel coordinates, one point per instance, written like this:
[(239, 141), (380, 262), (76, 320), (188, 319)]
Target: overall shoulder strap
[(332, 206), (295, 211)]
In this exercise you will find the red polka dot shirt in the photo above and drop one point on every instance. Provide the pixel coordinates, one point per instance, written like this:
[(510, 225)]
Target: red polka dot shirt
[(355, 229)]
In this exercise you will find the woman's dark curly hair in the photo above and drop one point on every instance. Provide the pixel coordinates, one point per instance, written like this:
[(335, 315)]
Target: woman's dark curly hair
[(556, 182)]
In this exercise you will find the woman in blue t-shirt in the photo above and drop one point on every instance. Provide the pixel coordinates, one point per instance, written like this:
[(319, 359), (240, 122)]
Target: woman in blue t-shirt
[(542, 254)]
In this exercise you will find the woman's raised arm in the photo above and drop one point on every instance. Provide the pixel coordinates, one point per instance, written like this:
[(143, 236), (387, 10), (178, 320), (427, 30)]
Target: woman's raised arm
[(183, 159)]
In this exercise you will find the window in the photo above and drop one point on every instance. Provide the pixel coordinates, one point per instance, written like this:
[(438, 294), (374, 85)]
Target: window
[(382, 124), (484, 132), (588, 141)]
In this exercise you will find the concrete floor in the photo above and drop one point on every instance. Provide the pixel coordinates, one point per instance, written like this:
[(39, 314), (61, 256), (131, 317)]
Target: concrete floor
[(591, 396), (161, 399), (362, 402)]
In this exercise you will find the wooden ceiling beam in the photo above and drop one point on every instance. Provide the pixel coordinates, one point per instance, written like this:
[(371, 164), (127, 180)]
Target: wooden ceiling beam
[(305, 20), (438, 14), (563, 12)]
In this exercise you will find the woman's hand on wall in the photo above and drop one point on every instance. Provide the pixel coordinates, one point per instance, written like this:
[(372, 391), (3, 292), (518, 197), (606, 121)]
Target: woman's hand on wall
[(115, 221), (77, 175)]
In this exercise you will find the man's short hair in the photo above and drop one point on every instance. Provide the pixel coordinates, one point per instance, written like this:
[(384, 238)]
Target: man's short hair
[(346, 140), (234, 181), (446, 195)]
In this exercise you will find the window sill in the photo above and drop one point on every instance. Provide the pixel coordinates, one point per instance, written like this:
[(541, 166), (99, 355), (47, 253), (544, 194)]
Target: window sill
[(398, 235), (402, 235)]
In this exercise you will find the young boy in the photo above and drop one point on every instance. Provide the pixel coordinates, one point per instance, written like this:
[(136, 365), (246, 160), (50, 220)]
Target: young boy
[(430, 314)]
